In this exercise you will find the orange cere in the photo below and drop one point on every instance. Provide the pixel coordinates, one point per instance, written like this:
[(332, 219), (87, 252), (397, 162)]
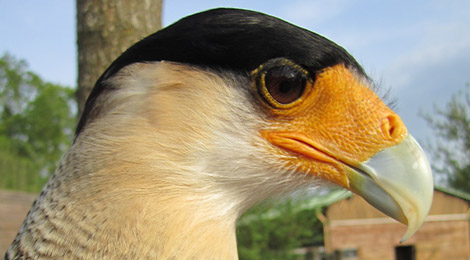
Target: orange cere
[(340, 122)]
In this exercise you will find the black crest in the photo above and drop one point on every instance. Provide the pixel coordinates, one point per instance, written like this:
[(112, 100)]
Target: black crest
[(231, 39)]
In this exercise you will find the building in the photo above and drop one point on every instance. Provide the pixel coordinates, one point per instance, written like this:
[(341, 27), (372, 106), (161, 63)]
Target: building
[(355, 230)]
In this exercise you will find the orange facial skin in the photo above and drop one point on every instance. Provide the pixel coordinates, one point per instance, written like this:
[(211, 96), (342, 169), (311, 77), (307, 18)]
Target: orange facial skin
[(339, 122)]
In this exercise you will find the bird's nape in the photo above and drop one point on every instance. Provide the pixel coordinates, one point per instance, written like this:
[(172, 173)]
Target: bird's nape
[(196, 123)]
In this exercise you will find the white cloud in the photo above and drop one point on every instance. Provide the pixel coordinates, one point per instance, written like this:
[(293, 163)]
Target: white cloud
[(440, 44)]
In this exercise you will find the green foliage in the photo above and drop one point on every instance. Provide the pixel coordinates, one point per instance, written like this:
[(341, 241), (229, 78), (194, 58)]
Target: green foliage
[(36, 125), (451, 149), (274, 232)]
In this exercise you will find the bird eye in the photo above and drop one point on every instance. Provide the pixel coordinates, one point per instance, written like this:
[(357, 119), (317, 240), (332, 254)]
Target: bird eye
[(284, 84), (281, 83)]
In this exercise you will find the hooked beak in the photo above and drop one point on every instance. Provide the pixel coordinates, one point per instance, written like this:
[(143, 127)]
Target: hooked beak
[(398, 182)]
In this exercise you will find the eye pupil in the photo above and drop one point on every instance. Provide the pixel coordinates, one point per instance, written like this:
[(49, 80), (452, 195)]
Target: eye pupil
[(285, 87), (284, 84)]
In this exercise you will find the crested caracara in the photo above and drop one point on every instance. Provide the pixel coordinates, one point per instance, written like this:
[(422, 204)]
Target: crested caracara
[(198, 122)]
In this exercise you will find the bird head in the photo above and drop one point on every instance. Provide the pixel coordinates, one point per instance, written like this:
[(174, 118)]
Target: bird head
[(240, 106)]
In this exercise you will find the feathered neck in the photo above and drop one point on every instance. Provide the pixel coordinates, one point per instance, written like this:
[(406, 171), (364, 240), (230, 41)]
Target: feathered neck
[(99, 214)]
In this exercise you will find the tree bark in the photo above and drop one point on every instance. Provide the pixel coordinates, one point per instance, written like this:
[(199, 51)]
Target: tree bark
[(106, 28)]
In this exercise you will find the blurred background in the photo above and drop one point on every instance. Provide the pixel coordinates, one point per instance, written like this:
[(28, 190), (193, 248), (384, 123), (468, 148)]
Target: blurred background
[(417, 51)]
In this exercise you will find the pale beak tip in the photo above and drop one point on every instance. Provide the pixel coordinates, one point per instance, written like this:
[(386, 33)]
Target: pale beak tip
[(399, 183)]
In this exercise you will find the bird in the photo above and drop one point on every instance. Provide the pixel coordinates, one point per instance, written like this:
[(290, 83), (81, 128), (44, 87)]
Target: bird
[(198, 122)]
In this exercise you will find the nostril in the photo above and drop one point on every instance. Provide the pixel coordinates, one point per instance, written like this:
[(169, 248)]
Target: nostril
[(393, 127), (391, 130)]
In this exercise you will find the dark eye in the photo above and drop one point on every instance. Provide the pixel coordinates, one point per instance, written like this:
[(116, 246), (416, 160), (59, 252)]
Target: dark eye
[(282, 83)]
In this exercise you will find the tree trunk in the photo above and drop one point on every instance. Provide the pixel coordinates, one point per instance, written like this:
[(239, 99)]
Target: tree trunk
[(106, 28)]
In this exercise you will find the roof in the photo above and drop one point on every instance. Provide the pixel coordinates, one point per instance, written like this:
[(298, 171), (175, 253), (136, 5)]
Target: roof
[(453, 192), (324, 198), (317, 199), (336, 195)]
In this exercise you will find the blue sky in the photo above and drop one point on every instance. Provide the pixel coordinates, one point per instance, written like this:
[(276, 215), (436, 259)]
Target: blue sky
[(418, 49)]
